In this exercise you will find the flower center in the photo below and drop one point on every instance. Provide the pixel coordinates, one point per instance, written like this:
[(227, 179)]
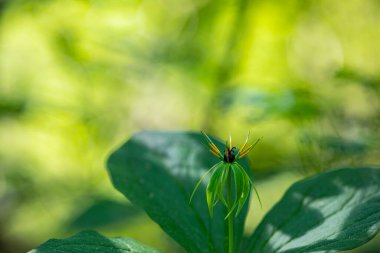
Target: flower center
[(229, 155)]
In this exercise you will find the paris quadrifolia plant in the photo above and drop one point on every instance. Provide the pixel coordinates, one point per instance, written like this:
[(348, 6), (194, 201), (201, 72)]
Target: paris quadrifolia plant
[(229, 182), (333, 211)]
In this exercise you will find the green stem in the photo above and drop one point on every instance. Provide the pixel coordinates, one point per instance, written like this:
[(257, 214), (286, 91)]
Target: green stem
[(231, 217)]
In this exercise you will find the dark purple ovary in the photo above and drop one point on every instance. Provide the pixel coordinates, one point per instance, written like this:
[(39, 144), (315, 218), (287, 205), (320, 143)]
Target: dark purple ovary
[(231, 156)]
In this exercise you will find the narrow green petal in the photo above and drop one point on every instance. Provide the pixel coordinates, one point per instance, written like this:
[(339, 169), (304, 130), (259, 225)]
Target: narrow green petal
[(202, 178), (237, 180), (253, 186), (212, 188), (243, 170), (242, 187), (224, 178), (257, 194), (245, 192)]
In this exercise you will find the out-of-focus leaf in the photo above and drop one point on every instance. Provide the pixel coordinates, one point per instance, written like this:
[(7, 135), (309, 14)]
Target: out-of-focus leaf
[(12, 107), (294, 104), (158, 172), (369, 82), (333, 211), (92, 242), (340, 146), (104, 213)]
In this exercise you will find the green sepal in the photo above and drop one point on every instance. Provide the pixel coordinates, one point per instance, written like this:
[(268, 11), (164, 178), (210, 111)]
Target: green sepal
[(213, 187), (242, 189), (222, 186), (249, 149), (251, 182), (245, 193), (202, 178)]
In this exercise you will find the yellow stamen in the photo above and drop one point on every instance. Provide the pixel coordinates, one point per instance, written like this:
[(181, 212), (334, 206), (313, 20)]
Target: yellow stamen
[(243, 154), (215, 149), (245, 143), (214, 153), (247, 150)]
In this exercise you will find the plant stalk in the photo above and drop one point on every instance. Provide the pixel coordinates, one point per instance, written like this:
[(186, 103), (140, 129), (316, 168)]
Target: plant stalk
[(231, 217)]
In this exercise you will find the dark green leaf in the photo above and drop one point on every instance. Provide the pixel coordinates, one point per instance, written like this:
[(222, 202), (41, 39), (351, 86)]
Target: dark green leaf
[(92, 242), (334, 211), (12, 107), (158, 172)]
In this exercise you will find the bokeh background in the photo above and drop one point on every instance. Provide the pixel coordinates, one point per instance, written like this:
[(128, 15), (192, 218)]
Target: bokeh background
[(78, 77)]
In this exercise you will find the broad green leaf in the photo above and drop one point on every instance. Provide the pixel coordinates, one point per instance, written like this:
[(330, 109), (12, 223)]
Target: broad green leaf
[(158, 172), (333, 211), (92, 242)]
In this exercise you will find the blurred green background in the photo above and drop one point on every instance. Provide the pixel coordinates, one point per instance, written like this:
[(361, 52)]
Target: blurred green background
[(78, 77)]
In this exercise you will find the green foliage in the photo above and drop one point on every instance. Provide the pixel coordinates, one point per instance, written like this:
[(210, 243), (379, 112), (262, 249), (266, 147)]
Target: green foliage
[(333, 211), (92, 242), (76, 77)]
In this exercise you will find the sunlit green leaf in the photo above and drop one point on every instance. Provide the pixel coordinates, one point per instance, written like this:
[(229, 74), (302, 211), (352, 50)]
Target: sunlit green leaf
[(333, 211), (92, 242)]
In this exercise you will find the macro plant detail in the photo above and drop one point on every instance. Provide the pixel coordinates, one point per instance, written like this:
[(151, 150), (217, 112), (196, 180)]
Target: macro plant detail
[(223, 173), (84, 83), (220, 184), (333, 211)]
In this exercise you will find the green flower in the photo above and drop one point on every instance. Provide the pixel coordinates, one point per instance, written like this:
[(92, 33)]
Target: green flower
[(223, 173)]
